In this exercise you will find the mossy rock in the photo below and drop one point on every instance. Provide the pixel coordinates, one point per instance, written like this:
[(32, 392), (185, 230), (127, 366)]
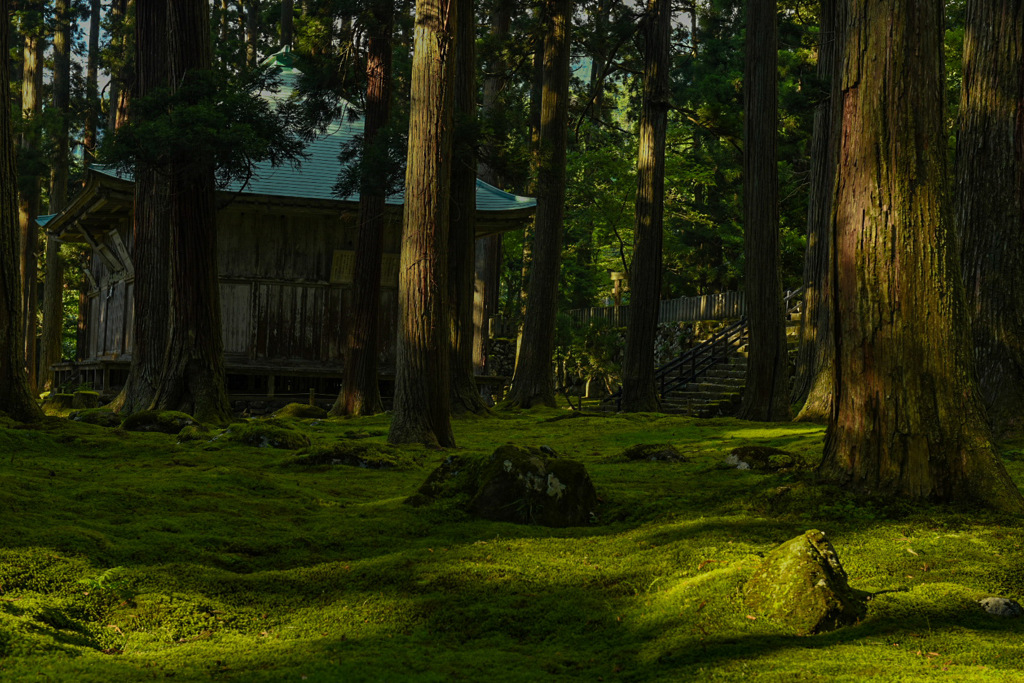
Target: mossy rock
[(195, 432), (84, 400), (97, 416), (268, 434), (302, 411), (763, 458), (374, 456), (57, 403), (516, 484), (654, 452), (802, 585), (163, 421)]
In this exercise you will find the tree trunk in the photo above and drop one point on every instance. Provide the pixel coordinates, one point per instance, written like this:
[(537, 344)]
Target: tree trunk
[(766, 397), (360, 394), (422, 408), (533, 381), (192, 379), (53, 285), (121, 82), (15, 399), (28, 207), (638, 390), (908, 419), (287, 14), (462, 235), (812, 385), (151, 228), (989, 198), (488, 249), (92, 106), (252, 33)]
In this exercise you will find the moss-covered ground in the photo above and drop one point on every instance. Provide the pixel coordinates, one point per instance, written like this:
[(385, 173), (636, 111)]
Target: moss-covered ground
[(130, 556)]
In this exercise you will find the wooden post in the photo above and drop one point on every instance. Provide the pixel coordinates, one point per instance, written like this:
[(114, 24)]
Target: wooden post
[(312, 397)]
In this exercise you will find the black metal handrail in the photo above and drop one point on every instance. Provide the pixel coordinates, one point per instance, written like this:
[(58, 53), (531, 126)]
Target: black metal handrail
[(693, 363)]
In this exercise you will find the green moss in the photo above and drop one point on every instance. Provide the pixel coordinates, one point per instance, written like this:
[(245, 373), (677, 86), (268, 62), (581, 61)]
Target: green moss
[(233, 567), (103, 417), (268, 434), (302, 411), (164, 421), (366, 455)]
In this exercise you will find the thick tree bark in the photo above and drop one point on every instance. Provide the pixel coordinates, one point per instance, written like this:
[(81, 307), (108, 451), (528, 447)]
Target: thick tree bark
[(28, 206), (15, 399), (422, 411), (812, 385), (360, 394), (92, 110), (533, 382), (766, 397), (638, 390), (990, 203), (192, 379), (151, 227), (462, 236), (53, 285), (908, 419)]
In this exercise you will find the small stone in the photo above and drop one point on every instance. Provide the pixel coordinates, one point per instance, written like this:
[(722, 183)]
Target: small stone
[(1001, 607), (654, 452)]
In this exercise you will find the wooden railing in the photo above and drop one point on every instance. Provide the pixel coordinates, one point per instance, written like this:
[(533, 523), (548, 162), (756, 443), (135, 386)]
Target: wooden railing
[(722, 306)]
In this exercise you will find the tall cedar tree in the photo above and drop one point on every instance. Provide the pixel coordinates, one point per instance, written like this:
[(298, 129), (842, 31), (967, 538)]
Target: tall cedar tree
[(766, 397), (533, 380), (422, 401), (151, 227), (121, 14), (360, 394), (461, 239), (812, 385), (15, 399), (989, 198), (908, 419), (287, 16), (488, 249), (92, 98), (53, 286), (192, 378), (29, 202), (638, 390)]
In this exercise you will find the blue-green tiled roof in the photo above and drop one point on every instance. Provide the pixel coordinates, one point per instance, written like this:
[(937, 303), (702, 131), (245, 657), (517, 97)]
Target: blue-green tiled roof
[(316, 176)]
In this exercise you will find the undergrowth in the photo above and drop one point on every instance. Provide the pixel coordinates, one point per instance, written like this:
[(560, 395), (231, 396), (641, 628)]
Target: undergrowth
[(137, 556)]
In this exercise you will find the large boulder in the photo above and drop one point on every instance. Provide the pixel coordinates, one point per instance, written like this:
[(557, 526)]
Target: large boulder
[(516, 484), (802, 585)]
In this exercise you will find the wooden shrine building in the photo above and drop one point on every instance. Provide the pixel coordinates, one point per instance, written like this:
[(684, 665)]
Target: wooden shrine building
[(286, 252)]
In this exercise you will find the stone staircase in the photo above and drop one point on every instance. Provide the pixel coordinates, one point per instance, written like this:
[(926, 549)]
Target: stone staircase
[(719, 390), (708, 380)]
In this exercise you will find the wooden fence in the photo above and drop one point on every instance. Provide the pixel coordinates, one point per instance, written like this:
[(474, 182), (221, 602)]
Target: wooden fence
[(723, 306)]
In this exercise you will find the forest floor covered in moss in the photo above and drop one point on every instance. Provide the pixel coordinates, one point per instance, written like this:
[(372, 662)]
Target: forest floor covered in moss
[(130, 556)]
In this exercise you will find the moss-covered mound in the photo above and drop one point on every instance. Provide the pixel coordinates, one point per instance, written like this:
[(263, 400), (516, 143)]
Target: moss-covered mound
[(268, 434), (802, 585), (515, 484), (302, 411), (193, 433), (374, 456), (55, 404), (164, 421), (763, 458), (97, 416), (84, 400), (653, 452)]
